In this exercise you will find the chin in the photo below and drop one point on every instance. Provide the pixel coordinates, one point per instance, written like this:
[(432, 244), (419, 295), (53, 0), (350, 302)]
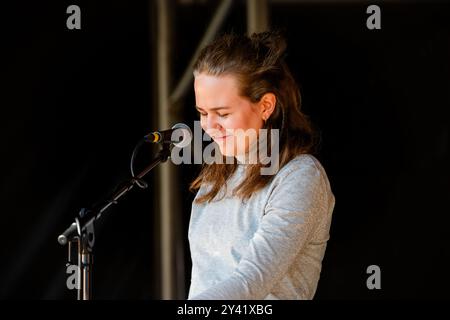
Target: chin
[(227, 154)]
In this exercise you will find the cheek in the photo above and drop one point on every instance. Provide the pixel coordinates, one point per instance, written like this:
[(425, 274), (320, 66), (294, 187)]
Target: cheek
[(228, 124), (235, 122), (242, 123)]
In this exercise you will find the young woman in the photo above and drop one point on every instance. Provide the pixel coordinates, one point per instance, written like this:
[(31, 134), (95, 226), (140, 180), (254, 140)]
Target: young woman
[(254, 235)]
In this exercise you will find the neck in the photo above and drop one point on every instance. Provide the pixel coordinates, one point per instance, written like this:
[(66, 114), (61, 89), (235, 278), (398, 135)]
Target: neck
[(251, 155)]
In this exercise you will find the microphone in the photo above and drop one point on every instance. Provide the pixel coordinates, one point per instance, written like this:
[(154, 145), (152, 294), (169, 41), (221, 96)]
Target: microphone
[(173, 135), (68, 234)]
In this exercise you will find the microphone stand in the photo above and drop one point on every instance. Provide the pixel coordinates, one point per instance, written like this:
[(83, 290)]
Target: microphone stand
[(81, 232)]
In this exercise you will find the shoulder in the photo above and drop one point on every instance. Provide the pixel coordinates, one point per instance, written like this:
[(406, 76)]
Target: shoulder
[(301, 184), (302, 172), (301, 165)]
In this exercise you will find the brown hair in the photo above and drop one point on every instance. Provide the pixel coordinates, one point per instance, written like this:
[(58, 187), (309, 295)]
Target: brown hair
[(258, 63)]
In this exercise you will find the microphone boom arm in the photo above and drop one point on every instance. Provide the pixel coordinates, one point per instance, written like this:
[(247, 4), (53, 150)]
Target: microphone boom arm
[(82, 230)]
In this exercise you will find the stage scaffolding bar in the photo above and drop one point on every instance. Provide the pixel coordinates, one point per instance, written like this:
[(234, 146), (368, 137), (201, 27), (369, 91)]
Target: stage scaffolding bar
[(165, 172), (186, 80), (257, 16)]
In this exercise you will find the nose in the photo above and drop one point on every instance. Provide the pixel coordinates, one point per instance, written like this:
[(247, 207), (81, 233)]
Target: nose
[(210, 123), (212, 126)]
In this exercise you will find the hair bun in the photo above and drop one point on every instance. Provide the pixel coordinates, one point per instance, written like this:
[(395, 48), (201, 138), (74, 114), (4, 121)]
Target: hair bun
[(274, 43)]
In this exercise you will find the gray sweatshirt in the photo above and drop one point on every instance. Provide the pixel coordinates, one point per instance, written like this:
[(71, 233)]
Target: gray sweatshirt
[(268, 247)]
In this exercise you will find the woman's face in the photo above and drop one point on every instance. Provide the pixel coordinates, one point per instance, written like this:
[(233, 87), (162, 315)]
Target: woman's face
[(222, 111)]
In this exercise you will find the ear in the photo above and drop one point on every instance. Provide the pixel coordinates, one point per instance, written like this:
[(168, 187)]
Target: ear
[(267, 105)]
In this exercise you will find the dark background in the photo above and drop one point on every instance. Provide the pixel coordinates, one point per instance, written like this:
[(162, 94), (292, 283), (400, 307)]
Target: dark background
[(75, 102)]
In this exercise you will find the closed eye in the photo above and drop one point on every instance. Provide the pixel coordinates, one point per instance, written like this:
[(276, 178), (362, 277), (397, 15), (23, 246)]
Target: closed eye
[(202, 113), (220, 115)]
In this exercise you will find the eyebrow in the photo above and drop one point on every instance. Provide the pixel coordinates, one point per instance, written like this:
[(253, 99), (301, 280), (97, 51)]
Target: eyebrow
[(213, 109)]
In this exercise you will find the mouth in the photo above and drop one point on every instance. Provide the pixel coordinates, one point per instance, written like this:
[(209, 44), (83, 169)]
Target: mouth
[(221, 138)]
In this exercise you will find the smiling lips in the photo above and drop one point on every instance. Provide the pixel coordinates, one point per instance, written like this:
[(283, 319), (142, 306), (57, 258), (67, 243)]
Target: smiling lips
[(221, 138)]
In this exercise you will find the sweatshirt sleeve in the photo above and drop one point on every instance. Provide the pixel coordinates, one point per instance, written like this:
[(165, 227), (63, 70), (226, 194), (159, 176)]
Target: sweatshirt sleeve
[(293, 209)]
